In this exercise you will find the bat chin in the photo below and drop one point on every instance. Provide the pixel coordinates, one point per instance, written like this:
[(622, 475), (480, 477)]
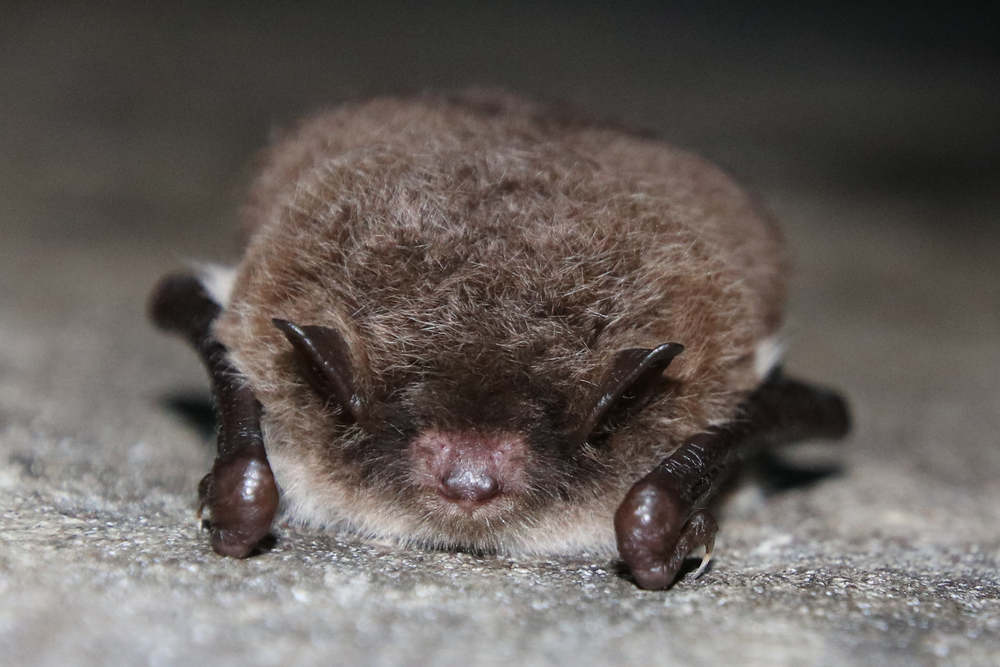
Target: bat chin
[(469, 524), (470, 511), (468, 507)]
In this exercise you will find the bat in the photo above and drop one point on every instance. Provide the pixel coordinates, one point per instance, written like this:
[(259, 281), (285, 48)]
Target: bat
[(473, 321)]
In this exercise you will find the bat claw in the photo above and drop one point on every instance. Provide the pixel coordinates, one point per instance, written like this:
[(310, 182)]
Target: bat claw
[(707, 558), (203, 489)]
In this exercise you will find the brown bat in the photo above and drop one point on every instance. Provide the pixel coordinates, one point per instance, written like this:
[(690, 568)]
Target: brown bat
[(477, 322)]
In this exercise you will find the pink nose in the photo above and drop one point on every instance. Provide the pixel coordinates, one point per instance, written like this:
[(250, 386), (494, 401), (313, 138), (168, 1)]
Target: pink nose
[(469, 470), (469, 485)]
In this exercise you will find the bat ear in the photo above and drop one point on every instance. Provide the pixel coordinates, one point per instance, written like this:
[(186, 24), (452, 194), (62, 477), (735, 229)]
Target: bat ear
[(629, 384), (326, 361)]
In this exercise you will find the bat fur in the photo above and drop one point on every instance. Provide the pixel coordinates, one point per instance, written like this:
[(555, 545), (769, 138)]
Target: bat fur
[(485, 257)]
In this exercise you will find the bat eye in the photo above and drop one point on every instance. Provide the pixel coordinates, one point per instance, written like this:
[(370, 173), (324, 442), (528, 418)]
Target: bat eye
[(633, 379), (325, 359)]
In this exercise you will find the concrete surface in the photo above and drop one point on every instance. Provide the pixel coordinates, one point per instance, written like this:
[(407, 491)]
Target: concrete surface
[(124, 135)]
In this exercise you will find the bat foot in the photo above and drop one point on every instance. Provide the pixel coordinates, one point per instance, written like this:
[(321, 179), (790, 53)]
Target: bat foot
[(656, 531), (240, 493), (242, 499)]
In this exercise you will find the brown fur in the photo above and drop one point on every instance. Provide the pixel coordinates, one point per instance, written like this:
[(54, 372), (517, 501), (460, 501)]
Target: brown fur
[(485, 258)]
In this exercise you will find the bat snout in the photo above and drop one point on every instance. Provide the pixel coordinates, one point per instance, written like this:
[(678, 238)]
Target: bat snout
[(468, 469)]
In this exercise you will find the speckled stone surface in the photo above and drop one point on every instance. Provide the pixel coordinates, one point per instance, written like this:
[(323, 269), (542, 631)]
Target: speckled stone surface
[(123, 139)]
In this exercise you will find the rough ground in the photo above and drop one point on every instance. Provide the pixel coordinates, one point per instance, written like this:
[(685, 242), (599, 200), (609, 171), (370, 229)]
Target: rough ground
[(124, 135)]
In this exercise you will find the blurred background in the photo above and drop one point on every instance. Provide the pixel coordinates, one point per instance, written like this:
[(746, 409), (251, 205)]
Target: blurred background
[(127, 134), (144, 115)]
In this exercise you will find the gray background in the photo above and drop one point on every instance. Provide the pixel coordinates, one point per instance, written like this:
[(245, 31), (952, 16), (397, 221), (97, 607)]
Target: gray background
[(125, 138)]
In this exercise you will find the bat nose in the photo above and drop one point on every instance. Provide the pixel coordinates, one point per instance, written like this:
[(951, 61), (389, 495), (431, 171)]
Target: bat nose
[(469, 471), (468, 484)]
